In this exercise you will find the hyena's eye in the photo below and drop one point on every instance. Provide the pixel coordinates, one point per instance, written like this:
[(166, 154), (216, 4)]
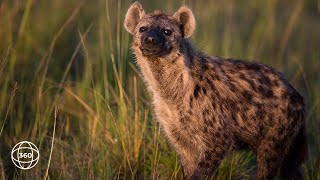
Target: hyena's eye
[(142, 29), (167, 32)]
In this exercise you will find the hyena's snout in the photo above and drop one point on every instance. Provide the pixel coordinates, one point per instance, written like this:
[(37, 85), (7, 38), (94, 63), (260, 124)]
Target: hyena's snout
[(153, 39), (153, 43)]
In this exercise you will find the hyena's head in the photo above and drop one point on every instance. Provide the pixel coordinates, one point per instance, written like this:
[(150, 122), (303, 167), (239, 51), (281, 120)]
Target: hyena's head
[(157, 34)]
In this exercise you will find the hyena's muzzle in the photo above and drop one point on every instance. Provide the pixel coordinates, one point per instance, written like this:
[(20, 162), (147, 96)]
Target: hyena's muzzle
[(153, 43)]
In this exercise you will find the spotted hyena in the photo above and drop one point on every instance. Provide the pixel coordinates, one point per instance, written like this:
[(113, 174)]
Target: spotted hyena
[(209, 106)]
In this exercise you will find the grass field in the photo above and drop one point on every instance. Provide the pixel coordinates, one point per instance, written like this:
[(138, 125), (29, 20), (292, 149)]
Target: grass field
[(69, 84)]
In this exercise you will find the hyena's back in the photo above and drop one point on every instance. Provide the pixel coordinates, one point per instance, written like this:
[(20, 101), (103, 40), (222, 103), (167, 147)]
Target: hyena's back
[(253, 98)]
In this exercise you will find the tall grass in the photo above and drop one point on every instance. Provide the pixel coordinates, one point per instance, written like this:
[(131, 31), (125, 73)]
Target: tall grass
[(69, 84)]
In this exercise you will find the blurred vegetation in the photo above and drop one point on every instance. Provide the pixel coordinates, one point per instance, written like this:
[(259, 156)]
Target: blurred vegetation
[(67, 76)]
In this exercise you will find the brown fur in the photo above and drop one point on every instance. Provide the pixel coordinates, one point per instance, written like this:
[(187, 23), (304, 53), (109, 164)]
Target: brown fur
[(208, 106)]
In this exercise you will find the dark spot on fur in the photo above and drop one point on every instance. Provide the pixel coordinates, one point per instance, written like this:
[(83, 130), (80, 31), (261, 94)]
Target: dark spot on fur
[(201, 78), (213, 88), (257, 104), (261, 113), (217, 135), (265, 91), (232, 87), (196, 91), (248, 95), (182, 120), (215, 77), (204, 90), (253, 66), (205, 67), (214, 106), (234, 116), (267, 80), (191, 102), (296, 98), (276, 82), (205, 112)]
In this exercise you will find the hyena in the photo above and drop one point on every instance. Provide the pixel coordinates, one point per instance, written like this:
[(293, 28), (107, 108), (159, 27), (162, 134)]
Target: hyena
[(209, 106)]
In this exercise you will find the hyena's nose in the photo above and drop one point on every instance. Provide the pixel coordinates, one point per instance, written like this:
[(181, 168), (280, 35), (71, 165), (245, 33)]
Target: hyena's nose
[(151, 39)]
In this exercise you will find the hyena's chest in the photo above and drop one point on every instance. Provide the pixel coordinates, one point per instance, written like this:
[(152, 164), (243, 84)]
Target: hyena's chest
[(182, 129), (166, 114)]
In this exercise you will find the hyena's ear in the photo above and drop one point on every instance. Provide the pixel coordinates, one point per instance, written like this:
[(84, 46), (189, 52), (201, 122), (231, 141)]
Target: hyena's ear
[(186, 19), (133, 16)]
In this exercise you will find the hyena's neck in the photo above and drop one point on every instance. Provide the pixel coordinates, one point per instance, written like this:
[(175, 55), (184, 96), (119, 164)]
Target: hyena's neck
[(168, 77)]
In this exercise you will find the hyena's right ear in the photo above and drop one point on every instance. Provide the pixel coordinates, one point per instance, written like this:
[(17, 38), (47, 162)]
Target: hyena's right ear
[(133, 16)]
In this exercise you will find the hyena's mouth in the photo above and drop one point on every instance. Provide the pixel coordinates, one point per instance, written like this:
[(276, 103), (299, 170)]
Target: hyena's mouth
[(150, 52), (155, 52)]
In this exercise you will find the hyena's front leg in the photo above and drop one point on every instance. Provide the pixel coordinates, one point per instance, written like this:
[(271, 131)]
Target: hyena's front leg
[(211, 158), (189, 160)]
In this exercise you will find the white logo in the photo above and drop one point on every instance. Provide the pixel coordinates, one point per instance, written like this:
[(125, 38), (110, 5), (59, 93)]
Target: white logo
[(25, 155)]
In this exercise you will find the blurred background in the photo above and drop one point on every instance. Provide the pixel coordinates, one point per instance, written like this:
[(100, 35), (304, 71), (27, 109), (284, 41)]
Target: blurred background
[(69, 84)]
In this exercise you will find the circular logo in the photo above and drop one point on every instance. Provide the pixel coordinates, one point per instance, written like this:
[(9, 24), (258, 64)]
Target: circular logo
[(25, 155)]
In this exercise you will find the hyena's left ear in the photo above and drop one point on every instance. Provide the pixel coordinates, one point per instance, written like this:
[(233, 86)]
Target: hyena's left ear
[(133, 16), (186, 19)]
